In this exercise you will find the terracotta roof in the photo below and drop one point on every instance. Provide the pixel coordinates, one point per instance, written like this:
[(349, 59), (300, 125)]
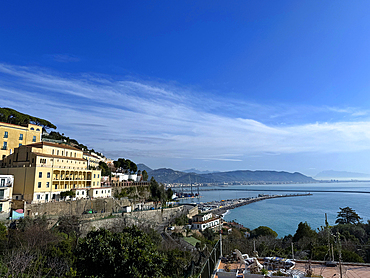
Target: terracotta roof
[(206, 221), (40, 144), (59, 156), (19, 125)]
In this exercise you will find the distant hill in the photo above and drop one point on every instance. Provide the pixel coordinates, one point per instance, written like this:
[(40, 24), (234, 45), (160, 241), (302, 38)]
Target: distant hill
[(254, 176), (341, 175), (193, 170), (143, 167), (166, 175)]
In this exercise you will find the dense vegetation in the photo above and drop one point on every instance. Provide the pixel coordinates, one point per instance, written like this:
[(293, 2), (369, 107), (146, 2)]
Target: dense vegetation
[(30, 249), (11, 116), (126, 164)]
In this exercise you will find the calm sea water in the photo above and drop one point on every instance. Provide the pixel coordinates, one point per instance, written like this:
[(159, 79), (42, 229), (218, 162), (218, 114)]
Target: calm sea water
[(284, 214)]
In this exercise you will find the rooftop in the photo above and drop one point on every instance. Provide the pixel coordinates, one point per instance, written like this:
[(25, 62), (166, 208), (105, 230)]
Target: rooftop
[(318, 268)]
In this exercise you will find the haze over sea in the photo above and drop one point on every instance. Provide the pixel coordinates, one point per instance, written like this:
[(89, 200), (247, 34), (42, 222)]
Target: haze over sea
[(284, 214)]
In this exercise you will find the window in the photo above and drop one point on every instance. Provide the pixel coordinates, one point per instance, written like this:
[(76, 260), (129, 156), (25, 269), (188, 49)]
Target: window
[(56, 186), (93, 183), (65, 186), (57, 152), (108, 191), (2, 183), (34, 139), (5, 145), (20, 144), (96, 192), (47, 184), (32, 128), (66, 153), (98, 175), (33, 160), (38, 129), (78, 192), (83, 192), (94, 176), (52, 152), (39, 184), (48, 175), (5, 134), (20, 136), (40, 174), (38, 196)]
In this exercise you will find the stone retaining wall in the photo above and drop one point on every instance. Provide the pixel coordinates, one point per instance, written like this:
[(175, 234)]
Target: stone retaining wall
[(156, 219), (76, 207)]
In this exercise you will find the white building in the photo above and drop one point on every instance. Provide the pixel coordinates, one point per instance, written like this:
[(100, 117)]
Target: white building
[(80, 193), (100, 192), (203, 221), (128, 176), (6, 191)]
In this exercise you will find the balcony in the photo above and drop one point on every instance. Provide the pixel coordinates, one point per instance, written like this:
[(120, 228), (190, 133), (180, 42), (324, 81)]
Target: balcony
[(4, 148)]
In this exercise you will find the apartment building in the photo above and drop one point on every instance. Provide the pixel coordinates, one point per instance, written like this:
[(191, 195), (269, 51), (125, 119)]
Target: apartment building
[(43, 170), (92, 159), (6, 191), (13, 136)]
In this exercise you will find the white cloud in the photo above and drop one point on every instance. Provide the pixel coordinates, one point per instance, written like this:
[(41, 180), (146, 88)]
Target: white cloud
[(163, 120)]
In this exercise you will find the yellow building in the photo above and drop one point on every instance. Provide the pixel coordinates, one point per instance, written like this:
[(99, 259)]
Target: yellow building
[(13, 136), (43, 170), (92, 160)]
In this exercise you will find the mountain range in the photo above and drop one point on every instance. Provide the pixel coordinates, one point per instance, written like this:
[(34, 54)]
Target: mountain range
[(341, 175), (166, 175)]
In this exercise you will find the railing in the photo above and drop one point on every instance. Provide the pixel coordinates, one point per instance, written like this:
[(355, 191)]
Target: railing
[(209, 266), (4, 148)]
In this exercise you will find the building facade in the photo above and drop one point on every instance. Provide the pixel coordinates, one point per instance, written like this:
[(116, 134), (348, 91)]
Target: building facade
[(203, 221), (43, 170), (6, 192), (14, 136)]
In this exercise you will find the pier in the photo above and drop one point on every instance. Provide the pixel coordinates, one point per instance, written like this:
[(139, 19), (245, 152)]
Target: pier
[(220, 207)]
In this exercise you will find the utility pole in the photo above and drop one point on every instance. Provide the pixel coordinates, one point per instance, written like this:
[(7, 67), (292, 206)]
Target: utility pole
[(340, 255), (292, 251)]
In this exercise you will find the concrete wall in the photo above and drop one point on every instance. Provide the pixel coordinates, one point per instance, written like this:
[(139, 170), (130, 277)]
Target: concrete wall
[(77, 207)]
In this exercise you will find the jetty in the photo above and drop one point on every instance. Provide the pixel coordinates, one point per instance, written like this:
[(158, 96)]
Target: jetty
[(221, 207)]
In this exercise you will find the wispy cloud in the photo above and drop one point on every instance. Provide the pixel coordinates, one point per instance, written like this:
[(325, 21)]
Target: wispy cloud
[(63, 58), (153, 119)]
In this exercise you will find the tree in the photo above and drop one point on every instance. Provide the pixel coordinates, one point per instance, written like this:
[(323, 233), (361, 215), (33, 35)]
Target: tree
[(66, 194), (263, 231), (11, 116), (347, 215), (303, 230), (145, 175), (130, 253), (105, 171)]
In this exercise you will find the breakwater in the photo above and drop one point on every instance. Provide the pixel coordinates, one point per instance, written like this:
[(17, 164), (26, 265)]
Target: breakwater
[(286, 190), (221, 207)]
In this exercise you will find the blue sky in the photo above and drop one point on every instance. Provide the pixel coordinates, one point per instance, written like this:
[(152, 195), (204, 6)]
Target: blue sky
[(212, 85)]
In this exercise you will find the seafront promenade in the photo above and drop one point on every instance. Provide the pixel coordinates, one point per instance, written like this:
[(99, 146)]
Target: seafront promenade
[(221, 207)]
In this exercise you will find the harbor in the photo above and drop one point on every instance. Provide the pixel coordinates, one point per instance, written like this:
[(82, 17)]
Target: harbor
[(222, 206)]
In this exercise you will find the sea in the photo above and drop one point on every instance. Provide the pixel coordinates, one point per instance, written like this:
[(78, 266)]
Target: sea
[(284, 214)]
